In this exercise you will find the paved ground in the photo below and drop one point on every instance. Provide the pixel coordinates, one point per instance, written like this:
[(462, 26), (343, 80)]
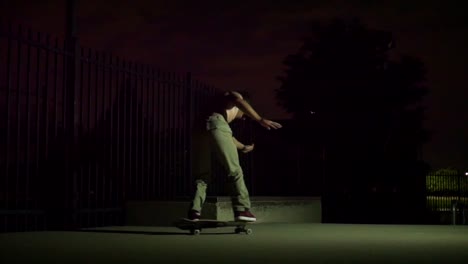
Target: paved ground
[(269, 243)]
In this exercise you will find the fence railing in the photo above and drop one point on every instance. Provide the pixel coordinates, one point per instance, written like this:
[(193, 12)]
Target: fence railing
[(84, 131), (442, 189)]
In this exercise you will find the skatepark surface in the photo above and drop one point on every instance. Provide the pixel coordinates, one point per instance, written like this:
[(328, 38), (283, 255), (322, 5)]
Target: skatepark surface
[(269, 243)]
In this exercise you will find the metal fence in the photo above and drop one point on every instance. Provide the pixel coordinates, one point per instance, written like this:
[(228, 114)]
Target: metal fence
[(443, 190), (84, 131)]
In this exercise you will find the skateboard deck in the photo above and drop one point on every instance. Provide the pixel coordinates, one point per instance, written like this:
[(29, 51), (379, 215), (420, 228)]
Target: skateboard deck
[(195, 227)]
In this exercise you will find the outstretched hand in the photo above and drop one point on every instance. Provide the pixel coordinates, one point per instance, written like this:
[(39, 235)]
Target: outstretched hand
[(268, 124), (248, 148)]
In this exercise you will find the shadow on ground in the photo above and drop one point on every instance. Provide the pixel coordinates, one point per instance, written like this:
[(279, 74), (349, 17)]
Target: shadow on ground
[(151, 233)]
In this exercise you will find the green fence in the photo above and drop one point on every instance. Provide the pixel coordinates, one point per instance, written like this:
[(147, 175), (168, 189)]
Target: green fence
[(442, 190)]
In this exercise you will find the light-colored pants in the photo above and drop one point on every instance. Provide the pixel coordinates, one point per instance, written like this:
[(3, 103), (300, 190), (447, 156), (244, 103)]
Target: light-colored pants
[(216, 138)]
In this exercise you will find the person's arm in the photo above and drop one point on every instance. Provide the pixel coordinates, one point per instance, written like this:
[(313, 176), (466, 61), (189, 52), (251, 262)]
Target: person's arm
[(245, 107), (242, 147), (239, 102), (238, 144)]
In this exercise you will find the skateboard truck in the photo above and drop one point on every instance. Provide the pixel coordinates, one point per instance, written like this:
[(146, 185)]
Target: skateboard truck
[(195, 227), (237, 230)]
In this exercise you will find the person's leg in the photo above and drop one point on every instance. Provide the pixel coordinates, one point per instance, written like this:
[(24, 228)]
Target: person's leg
[(201, 168), (226, 152)]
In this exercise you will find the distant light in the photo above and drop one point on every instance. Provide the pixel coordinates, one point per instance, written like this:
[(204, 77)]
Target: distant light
[(466, 173), (312, 112)]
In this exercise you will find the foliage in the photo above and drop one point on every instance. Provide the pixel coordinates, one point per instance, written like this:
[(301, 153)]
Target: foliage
[(343, 83)]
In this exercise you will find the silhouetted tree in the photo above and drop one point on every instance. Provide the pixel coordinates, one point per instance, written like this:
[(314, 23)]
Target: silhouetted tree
[(347, 90), (367, 104)]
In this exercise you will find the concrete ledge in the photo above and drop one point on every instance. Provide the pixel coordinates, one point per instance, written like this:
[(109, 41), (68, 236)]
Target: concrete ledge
[(277, 209), (266, 209)]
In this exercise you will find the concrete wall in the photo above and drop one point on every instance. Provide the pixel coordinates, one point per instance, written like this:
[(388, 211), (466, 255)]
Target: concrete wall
[(266, 209)]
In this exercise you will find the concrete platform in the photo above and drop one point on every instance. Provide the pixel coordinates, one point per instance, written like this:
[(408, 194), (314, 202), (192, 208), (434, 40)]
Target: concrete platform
[(266, 209)]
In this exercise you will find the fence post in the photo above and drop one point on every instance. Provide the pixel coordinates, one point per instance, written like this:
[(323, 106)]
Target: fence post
[(189, 124), (71, 118), (454, 211)]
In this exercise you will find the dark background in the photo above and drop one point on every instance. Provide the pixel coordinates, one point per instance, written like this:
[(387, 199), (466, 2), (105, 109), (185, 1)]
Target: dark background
[(240, 45)]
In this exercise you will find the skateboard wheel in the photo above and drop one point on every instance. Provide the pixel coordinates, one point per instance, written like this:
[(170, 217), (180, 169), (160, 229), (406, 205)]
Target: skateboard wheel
[(195, 231), (248, 231), (238, 230)]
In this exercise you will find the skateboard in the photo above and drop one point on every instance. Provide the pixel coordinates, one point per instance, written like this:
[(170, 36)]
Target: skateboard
[(195, 227)]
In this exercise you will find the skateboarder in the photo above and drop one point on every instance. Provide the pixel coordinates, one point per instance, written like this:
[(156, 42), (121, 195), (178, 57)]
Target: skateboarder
[(212, 133)]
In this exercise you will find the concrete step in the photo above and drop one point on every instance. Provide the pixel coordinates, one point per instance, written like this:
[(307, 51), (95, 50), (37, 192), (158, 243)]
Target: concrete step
[(267, 209)]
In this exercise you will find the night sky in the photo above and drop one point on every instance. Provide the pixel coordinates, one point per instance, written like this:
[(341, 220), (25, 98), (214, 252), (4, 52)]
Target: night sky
[(241, 44)]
